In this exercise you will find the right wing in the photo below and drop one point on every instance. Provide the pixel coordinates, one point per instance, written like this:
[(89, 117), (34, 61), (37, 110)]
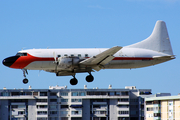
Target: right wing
[(101, 59)]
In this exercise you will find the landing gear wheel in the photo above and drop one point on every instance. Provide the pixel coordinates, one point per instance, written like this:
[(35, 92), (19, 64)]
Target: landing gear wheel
[(89, 78), (73, 81), (25, 81)]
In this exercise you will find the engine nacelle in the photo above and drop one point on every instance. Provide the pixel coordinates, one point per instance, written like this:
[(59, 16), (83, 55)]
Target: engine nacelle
[(67, 62)]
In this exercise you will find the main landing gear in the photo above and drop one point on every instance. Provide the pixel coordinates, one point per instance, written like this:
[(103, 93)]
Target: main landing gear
[(25, 80), (74, 81)]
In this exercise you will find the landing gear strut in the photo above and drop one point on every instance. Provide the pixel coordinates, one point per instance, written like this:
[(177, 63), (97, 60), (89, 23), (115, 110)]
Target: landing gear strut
[(25, 80), (89, 78), (73, 81)]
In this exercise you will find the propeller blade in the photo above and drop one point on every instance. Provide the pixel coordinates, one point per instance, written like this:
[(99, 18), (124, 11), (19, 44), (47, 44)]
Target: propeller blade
[(54, 54)]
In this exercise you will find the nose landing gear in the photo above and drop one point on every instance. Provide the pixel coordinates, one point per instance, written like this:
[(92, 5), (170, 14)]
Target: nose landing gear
[(25, 80)]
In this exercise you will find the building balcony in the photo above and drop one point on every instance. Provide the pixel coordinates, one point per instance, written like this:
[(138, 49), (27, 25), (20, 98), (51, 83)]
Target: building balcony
[(123, 109), (99, 115), (76, 115), (123, 103), (123, 115), (42, 109), (42, 116), (99, 109), (41, 103), (17, 97)]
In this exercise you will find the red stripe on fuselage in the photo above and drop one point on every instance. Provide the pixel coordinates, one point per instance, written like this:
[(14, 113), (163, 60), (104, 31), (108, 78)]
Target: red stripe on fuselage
[(23, 61)]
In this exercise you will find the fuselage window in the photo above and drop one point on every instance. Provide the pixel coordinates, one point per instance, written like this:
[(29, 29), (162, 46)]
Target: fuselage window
[(21, 54), (59, 56), (79, 55), (65, 55), (72, 55), (86, 55)]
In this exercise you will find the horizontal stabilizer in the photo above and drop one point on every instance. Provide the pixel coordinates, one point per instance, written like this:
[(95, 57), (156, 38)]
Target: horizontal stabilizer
[(164, 57)]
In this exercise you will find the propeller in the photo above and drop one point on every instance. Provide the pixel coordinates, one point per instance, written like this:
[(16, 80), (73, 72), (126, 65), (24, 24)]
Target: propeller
[(55, 61)]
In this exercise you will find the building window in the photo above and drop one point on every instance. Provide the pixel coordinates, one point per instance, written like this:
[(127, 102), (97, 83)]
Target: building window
[(64, 100), (21, 112), (99, 112), (123, 100), (99, 106), (123, 106), (149, 108), (43, 93), (76, 100), (53, 112), (35, 93), (42, 112), (157, 115), (5, 94), (123, 112), (41, 100), (64, 106), (76, 112), (124, 118), (149, 102), (76, 118), (74, 93), (53, 94), (64, 118), (125, 93), (52, 106), (82, 94), (78, 94), (41, 106), (53, 100), (64, 93), (64, 112), (14, 106)]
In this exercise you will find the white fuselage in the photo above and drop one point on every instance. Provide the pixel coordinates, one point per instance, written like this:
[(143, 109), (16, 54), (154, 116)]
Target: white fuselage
[(124, 58)]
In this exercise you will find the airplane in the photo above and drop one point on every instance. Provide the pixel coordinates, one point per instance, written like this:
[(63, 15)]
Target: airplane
[(67, 62)]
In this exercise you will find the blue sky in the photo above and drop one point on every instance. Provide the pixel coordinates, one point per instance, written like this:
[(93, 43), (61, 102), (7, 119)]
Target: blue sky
[(88, 24)]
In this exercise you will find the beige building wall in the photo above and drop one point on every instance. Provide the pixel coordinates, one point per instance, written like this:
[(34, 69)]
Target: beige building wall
[(149, 114), (164, 110), (177, 109)]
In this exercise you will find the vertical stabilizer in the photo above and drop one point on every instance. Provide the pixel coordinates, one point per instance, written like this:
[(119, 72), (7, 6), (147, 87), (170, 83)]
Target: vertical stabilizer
[(157, 41)]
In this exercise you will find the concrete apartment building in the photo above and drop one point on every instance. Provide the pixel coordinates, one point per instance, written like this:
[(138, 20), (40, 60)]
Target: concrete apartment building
[(163, 108), (60, 103)]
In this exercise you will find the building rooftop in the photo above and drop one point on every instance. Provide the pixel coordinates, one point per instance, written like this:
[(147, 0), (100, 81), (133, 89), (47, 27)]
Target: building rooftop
[(163, 98)]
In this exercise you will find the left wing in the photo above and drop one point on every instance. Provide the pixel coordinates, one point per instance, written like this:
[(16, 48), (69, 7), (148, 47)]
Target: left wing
[(101, 59)]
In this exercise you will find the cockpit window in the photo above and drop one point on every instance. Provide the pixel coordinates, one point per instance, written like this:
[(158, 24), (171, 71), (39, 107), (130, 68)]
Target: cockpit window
[(21, 54)]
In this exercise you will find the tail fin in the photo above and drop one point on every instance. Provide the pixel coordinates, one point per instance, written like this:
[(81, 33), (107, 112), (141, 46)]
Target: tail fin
[(157, 41)]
